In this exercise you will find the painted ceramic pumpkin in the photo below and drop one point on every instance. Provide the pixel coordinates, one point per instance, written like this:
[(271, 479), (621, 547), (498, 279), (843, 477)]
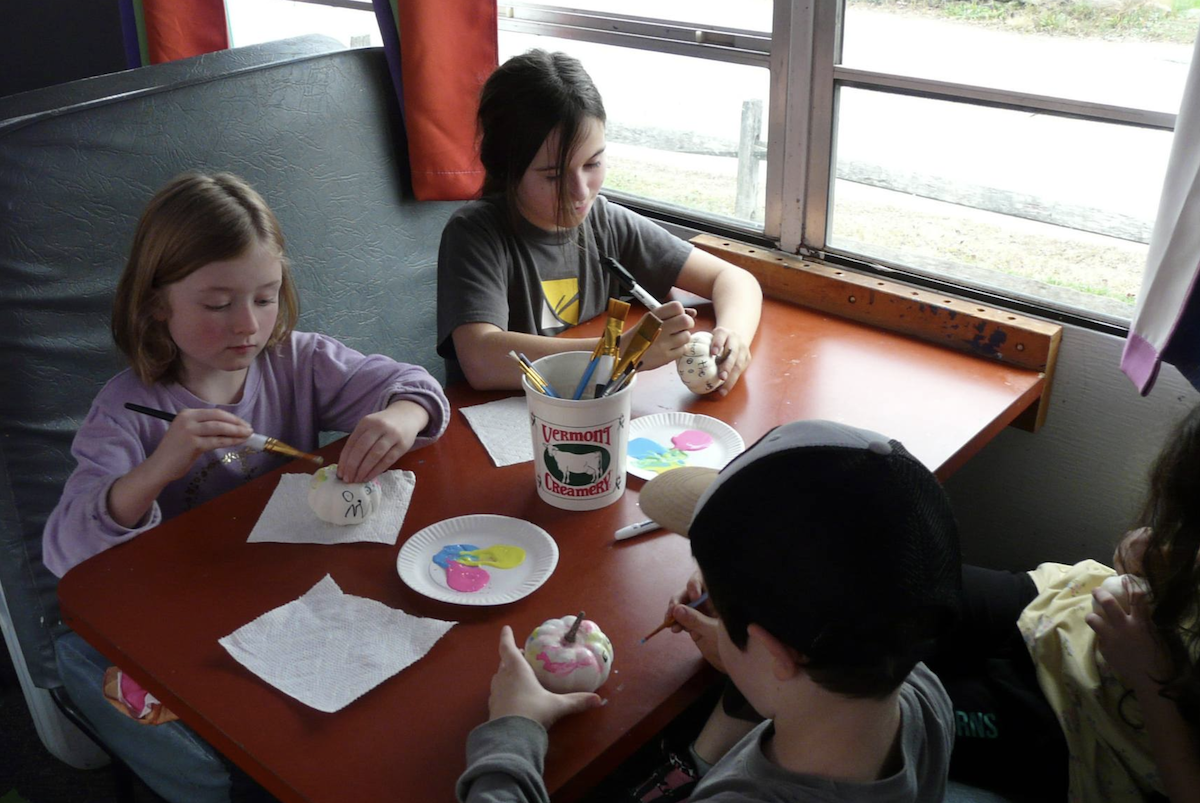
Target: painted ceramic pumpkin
[(569, 654), (339, 502), (697, 367), (1115, 586)]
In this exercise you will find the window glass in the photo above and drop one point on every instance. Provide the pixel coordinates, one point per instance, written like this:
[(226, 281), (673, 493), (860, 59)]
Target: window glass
[(750, 15), (1046, 207), (675, 125), (255, 21), (1118, 53)]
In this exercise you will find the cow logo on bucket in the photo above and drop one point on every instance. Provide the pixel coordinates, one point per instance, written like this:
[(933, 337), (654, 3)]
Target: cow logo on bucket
[(576, 464)]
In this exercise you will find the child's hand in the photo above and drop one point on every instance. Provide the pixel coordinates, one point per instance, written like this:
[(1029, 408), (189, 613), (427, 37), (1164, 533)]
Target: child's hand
[(692, 591), (736, 361), (380, 439), (191, 434), (1127, 558), (676, 331), (517, 692), (703, 630), (1127, 640)]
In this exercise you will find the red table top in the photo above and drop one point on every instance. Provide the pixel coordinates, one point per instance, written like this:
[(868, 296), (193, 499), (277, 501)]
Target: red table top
[(157, 605)]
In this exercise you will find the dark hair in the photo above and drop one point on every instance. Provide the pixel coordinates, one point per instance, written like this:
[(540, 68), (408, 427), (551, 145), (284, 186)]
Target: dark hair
[(195, 219), (522, 102), (849, 557), (1172, 512)]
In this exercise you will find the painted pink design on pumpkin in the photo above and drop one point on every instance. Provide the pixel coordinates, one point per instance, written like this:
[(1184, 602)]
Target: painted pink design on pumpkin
[(565, 667)]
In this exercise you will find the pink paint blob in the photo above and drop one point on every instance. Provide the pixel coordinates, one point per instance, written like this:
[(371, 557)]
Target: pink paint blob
[(692, 440), (565, 667), (466, 578)]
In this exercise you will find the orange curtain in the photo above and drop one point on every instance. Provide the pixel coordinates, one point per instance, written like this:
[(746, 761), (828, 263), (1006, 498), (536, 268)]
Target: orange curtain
[(165, 30), (177, 29), (447, 50)]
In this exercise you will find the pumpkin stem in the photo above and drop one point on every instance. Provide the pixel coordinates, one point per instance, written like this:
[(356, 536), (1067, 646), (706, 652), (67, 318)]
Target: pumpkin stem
[(570, 637)]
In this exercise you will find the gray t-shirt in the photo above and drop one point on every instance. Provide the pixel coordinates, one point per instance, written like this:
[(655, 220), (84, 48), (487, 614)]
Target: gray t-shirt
[(505, 758), (520, 278)]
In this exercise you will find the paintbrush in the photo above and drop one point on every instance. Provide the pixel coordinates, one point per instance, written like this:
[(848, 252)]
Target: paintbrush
[(535, 378), (260, 442), (607, 347), (617, 384), (643, 336), (670, 620)]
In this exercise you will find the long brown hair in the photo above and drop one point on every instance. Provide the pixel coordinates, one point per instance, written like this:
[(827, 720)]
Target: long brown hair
[(197, 218), (522, 102), (1172, 512)]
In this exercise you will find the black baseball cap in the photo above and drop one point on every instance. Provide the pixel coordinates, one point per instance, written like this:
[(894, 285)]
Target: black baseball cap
[(864, 530)]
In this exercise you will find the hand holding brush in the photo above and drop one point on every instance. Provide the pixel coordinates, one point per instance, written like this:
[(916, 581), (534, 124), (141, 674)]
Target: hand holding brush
[(670, 620)]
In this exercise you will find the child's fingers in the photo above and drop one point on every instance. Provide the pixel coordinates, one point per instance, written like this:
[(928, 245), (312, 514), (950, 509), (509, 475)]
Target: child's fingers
[(1107, 607), (579, 701), (366, 462), (720, 340), (508, 646), (690, 619), (212, 420), (667, 311), (361, 455)]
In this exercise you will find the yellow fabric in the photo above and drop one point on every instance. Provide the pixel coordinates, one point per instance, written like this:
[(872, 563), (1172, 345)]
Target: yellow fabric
[(1110, 758)]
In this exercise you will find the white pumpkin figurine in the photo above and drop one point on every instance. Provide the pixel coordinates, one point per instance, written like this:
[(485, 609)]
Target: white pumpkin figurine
[(1116, 585), (569, 654), (339, 502), (699, 369)]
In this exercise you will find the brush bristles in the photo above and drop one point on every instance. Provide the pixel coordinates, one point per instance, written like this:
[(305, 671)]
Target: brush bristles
[(649, 327), (617, 308)]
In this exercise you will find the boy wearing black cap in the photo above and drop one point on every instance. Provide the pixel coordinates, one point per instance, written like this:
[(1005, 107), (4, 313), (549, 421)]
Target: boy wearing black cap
[(831, 558)]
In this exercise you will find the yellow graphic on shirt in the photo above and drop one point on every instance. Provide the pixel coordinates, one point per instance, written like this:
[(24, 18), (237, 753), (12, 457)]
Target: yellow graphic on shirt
[(560, 303)]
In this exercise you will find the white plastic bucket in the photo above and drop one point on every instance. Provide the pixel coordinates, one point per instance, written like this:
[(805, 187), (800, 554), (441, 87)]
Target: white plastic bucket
[(579, 447)]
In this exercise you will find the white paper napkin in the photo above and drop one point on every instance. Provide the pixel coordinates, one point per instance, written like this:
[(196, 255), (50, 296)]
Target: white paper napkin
[(503, 427), (288, 519), (327, 648)]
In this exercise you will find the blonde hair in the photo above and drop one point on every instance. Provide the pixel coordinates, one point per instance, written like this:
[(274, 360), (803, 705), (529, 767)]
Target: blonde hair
[(196, 219)]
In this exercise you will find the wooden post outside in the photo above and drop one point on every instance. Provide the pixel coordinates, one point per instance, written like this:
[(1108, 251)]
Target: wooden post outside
[(747, 167)]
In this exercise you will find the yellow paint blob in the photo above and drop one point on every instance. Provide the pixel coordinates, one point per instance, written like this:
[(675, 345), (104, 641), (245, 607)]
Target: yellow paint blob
[(502, 556)]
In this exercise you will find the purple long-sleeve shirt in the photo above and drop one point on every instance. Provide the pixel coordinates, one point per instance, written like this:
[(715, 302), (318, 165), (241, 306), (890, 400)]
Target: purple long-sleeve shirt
[(304, 386)]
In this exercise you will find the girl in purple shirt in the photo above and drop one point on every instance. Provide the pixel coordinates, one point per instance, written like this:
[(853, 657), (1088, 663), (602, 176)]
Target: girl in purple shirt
[(205, 311)]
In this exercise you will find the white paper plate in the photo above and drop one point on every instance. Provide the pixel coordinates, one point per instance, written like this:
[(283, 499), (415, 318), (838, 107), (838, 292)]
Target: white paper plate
[(417, 569), (660, 428)]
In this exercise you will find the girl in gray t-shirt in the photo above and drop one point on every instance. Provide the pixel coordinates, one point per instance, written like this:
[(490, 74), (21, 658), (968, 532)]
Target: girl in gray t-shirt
[(524, 262)]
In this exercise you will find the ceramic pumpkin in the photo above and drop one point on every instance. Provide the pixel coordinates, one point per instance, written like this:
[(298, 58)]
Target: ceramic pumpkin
[(339, 502), (1115, 585), (569, 654), (697, 367)]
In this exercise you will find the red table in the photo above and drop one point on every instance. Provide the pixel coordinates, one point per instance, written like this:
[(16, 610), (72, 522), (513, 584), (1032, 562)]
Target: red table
[(157, 605)]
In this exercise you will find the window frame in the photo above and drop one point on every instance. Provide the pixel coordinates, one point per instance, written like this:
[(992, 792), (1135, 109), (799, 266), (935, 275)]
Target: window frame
[(802, 54), (805, 76)]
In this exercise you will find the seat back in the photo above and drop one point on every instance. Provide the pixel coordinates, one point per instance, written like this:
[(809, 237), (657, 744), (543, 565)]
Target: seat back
[(312, 126)]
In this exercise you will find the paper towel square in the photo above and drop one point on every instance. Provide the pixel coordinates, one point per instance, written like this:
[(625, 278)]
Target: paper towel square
[(503, 427), (327, 648), (288, 519)]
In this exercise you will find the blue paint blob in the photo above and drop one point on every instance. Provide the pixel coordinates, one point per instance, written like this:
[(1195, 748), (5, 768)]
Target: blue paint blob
[(644, 448), (451, 551)]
